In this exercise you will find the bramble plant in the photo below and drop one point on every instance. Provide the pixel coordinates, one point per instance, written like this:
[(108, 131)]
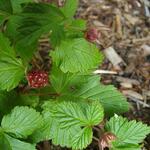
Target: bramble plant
[(65, 102)]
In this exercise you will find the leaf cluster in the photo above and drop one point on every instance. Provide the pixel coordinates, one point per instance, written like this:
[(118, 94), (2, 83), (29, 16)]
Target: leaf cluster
[(74, 102)]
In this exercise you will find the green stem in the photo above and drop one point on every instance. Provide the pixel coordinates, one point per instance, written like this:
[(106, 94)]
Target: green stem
[(42, 94)]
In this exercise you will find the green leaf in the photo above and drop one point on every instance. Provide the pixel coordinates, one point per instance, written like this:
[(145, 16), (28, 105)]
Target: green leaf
[(94, 113), (127, 132), (57, 35), (16, 5), (11, 29), (76, 55), (10, 74), (36, 19), (5, 7), (61, 136), (52, 130), (116, 146), (75, 28), (11, 6), (78, 24), (62, 82), (70, 8), (111, 99), (88, 87), (22, 121), (82, 139), (44, 133), (9, 143), (18, 145), (69, 113), (64, 136), (1, 20), (4, 143), (11, 68), (29, 100), (66, 118), (5, 49), (8, 100)]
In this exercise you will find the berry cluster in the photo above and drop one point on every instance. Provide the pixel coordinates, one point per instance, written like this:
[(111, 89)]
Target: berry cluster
[(37, 79), (92, 35)]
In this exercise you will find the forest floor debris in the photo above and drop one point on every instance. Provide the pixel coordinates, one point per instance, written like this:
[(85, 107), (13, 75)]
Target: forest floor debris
[(124, 26)]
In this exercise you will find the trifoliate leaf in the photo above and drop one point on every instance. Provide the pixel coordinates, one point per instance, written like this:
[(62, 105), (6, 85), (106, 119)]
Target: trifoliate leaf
[(68, 117), (22, 121), (18, 145), (70, 8), (76, 55), (11, 68), (127, 132), (82, 138)]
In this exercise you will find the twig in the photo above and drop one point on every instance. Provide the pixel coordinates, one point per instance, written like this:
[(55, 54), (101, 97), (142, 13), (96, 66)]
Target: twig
[(97, 129), (44, 40), (104, 72), (141, 40), (138, 101), (95, 138), (146, 6)]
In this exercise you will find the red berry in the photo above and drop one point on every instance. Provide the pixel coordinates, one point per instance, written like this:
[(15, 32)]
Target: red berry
[(37, 79), (92, 35)]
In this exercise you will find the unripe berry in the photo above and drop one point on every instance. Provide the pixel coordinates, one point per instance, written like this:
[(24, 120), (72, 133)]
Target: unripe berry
[(37, 79), (106, 140), (92, 35)]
